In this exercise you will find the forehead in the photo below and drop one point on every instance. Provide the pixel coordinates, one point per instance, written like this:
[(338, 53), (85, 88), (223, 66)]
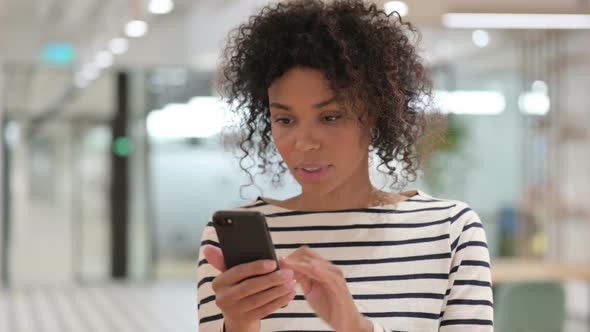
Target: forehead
[(300, 84), (302, 87)]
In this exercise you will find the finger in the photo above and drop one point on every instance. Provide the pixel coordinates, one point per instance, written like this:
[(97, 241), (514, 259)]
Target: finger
[(328, 272), (243, 271), (255, 285), (214, 256), (285, 265), (262, 298), (319, 271), (298, 275), (303, 268), (306, 285), (334, 281), (307, 255), (271, 307), (302, 278), (310, 252), (303, 253), (329, 266)]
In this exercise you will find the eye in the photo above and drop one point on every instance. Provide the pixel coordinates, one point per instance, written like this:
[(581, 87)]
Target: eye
[(284, 121), (331, 118)]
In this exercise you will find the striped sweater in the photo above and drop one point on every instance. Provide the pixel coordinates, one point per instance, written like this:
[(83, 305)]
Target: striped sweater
[(420, 265)]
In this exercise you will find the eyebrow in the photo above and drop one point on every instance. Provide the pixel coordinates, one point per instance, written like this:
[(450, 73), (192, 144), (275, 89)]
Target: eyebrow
[(318, 105)]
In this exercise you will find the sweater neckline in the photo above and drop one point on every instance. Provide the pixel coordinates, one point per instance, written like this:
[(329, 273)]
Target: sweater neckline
[(414, 194)]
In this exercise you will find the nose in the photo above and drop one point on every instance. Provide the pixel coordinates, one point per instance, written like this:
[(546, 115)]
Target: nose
[(305, 141)]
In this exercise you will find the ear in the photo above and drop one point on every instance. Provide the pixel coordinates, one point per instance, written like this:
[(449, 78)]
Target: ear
[(214, 256)]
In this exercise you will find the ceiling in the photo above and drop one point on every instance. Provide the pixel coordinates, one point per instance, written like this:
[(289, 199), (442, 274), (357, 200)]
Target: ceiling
[(190, 36)]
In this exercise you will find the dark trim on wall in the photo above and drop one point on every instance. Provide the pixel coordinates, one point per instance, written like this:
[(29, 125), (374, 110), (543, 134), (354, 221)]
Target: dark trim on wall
[(120, 182), (5, 221)]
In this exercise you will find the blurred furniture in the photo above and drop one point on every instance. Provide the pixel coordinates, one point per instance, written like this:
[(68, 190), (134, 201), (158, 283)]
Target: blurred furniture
[(506, 273), (511, 270), (527, 306)]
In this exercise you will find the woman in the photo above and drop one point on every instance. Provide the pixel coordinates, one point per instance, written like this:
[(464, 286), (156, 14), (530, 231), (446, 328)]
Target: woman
[(324, 85)]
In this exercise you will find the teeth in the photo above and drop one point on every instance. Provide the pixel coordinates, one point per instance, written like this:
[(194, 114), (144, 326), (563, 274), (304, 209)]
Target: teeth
[(312, 169)]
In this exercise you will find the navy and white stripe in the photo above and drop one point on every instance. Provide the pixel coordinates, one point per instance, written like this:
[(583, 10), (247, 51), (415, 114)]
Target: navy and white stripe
[(421, 265)]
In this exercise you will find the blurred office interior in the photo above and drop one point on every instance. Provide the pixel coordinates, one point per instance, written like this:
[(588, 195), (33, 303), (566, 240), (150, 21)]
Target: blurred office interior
[(112, 157)]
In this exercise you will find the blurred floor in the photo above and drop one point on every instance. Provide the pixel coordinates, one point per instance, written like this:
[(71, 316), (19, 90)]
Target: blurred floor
[(129, 307), (162, 306)]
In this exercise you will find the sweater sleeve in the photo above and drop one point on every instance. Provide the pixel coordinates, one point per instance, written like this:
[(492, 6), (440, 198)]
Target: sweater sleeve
[(209, 315), (468, 302)]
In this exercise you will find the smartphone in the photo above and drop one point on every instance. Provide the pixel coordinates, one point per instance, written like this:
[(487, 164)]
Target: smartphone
[(243, 237)]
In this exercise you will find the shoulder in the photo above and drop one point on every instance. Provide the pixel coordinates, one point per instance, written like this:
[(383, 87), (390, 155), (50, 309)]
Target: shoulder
[(465, 229), (455, 206), (257, 204), (459, 212)]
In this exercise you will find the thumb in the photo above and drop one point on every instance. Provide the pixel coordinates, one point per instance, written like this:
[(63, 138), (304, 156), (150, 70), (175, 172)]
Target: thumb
[(306, 285), (214, 256)]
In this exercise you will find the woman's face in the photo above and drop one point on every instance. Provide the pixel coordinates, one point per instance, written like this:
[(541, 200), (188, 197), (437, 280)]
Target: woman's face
[(321, 143)]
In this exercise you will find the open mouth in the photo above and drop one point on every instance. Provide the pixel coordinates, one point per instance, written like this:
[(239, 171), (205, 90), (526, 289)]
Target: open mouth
[(313, 173)]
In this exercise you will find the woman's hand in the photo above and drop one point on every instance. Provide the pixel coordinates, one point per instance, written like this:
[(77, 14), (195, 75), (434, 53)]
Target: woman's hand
[(326, 291), (244, 302)]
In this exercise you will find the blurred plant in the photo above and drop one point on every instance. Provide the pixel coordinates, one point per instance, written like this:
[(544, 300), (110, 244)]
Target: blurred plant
[(452, 136)]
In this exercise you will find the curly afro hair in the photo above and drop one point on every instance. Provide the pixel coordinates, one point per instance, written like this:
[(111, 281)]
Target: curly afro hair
[(365, 54)]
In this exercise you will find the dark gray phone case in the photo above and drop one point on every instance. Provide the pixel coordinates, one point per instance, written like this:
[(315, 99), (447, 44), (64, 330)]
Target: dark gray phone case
[(246, 239)]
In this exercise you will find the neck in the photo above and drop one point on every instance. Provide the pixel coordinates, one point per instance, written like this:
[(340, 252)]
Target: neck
[(337, 200), (356, 192)]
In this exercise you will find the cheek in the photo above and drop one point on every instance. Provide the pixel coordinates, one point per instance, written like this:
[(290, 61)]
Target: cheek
[(284, 149), (350, 140), (281, 140), (332, 140)]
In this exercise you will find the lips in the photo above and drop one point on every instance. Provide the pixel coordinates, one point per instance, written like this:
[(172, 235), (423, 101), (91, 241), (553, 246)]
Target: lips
[(312, 165), (311, 172)]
